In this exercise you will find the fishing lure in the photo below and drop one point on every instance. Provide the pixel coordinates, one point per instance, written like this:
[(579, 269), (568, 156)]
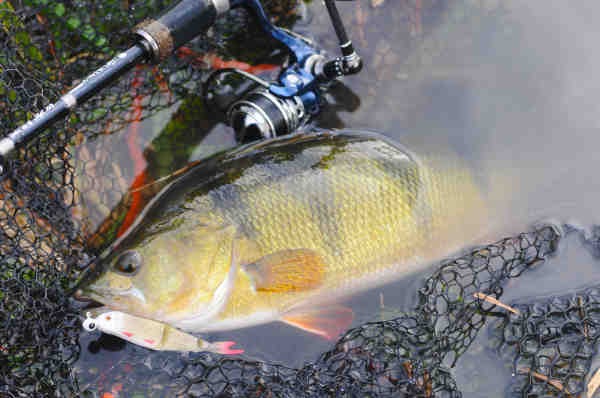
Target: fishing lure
[(154, 335)]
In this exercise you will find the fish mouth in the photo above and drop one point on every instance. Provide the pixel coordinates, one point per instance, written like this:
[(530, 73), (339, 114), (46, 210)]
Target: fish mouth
[(106, 297), (80, 296), (89, 294)]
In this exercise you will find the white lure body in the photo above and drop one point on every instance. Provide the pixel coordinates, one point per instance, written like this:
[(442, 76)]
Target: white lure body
[(152, 334)]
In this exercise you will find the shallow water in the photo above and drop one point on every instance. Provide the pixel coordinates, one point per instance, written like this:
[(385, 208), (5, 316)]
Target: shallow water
[(510, 86)]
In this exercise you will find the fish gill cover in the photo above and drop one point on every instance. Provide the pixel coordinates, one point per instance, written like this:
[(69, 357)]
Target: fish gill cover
[(54, 218)]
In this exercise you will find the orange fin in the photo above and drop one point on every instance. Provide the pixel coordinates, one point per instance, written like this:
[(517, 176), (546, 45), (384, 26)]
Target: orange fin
[(328, 322), (287, 271)]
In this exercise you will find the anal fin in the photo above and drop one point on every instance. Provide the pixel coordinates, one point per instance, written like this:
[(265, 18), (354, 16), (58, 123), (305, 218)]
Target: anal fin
[(328, 322)]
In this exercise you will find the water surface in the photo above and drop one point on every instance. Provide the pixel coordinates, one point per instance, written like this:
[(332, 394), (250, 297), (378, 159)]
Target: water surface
[(511, 87)]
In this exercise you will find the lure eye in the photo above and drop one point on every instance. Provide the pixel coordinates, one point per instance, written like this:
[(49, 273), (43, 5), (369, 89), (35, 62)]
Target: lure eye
[(128, 263)]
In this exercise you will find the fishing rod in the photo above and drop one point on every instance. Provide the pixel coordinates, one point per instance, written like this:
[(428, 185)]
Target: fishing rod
[(266, 110)]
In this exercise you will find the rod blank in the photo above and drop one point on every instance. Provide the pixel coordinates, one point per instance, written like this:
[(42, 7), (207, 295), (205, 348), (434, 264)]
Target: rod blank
[(157, 40), (89, 86)]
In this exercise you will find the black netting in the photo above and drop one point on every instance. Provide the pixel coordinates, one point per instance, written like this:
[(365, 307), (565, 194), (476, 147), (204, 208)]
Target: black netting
[(407, 356), (65, 197), (551, 344)]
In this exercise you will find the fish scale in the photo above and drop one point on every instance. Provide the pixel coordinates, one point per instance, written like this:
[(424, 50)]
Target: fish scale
[(364, 211)]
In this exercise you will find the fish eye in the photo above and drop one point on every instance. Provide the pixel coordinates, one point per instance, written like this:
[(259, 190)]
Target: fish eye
[(128, 262)]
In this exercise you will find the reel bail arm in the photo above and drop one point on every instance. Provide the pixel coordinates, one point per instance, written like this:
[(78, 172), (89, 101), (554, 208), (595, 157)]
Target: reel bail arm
[(350, 63)]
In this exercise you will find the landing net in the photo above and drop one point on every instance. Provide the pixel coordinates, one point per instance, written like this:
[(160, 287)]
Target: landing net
[(55, 217)]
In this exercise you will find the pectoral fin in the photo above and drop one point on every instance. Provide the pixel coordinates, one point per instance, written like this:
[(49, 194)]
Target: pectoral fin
[(287, 271), (328, 322)]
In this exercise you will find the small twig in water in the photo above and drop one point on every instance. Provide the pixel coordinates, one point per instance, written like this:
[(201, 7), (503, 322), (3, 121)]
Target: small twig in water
[(593, 384), (554, 383), (586, 332), (408, 368), (424, 382), (494, 301)]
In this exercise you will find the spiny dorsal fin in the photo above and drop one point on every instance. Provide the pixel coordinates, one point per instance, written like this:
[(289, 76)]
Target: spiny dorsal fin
[(287, 271)]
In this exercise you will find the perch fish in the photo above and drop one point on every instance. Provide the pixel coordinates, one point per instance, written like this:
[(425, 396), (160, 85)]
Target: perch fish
[(282, 230)]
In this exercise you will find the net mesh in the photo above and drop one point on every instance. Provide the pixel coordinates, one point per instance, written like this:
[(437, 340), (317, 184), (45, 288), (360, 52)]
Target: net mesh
[(64, 199), (552, 343), (409, 356)]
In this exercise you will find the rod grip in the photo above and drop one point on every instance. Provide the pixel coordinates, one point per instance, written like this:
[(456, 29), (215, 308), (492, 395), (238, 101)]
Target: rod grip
[(178, 25)]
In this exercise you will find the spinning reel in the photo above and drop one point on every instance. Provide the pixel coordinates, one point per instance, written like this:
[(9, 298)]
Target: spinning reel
[(260, 109)]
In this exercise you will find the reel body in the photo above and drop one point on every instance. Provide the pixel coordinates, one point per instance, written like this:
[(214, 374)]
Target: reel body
[(260, 114), (270, 109)]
